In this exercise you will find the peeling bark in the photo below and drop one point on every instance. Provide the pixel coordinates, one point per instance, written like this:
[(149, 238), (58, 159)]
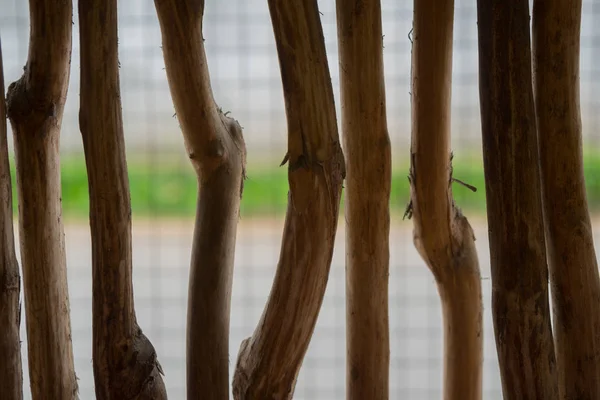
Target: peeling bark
[(442, 235), (368, 182), (35, 106), (269, 362), (571, 255), (520, 303), (125, 362), (11, 372), (217, 151)]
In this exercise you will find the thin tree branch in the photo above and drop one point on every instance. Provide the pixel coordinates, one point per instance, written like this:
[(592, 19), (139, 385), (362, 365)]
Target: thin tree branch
[(125, 362), (520, 303), (217, 152), (442, 234), (571, 255), (268, 362), (11, 370), (35, 106), (368, 185)]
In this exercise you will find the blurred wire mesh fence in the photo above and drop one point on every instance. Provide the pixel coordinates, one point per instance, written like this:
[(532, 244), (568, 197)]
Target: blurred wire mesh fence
[(245, 77)]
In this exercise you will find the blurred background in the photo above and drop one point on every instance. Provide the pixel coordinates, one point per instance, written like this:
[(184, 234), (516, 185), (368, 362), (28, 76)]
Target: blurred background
[(245, 77)]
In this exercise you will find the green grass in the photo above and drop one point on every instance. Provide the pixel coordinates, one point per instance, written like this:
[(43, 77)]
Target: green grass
[(168, 189)]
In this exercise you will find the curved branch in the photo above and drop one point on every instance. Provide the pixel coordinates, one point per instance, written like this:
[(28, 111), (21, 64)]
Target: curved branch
[(571, 255), (11, 372), (217, 151), (368, 183), (268, 362), (442, 235), (520, 303), (125, 362), (35, 106)]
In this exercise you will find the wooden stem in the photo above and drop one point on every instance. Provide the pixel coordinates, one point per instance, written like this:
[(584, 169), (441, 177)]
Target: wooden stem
[(571, 255), (125, 362), (368, 182), (11, 372), (442, 234), (217, 151), (35, 106), (520, 303), (268, 362)]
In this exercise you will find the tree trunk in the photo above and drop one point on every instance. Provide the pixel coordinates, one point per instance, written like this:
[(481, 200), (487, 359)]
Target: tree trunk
[(269, 362), (571, 256), (217, 152), (442, 235), (125, 362), (368, 182), (520, 303), (11, 372), (35, 106)]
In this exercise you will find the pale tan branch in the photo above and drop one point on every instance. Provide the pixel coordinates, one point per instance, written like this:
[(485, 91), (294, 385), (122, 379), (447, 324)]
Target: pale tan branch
[(217, 151), (368, 184), (11, 372), (189, 80), (442, 234), (268, 362), (571, 254), (520, 304), (125, 362), (35, 106)]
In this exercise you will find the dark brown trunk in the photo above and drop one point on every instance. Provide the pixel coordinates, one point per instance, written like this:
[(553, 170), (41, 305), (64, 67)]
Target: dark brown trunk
[(368, 181), (268, 362), (520, 303), (125, 362), (571, 256), (35, 106), (11, 372), (442, 234), (217, 152)]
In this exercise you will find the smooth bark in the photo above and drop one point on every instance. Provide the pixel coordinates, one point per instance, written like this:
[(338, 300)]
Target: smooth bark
[(520, 304), (35, 106), (367, 190), (124, 360), (268, 362), (442, 234), (570, 245), (11, 371), (217, 152)]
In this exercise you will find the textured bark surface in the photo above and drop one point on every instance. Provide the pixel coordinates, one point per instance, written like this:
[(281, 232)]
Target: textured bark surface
[(217, 151), (520, 304), (35, 106), (11, 372), (268, 362), (368, 181), (571, 255), (442, 235), (124, 360)]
